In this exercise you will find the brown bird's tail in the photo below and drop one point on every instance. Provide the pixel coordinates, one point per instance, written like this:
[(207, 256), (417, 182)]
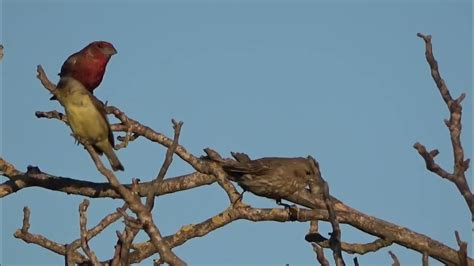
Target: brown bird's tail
[(114, 161), (109, 152)]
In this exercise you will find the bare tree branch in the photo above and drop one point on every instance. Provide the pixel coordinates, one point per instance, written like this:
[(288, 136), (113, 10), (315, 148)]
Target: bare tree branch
[(150, 200), (320, 254), (133, 201), (396, 262), (462, 253), (458, 176), (425, 259), (42, 241), (19, 180), (83, 226), (356, 262), (356, 248), (335, 240)]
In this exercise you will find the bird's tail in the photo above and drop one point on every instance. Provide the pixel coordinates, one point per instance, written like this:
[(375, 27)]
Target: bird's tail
[(113, 159)]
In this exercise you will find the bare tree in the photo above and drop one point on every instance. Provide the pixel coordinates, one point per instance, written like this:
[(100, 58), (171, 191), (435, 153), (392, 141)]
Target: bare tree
[(316, 203)]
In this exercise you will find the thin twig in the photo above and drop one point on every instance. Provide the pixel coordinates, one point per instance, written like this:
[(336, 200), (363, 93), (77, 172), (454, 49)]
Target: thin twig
[(83, 226), (396, 262), (320, 254), (42, 241), (425, 259), (462, 252), (150, 200), (458, 177)]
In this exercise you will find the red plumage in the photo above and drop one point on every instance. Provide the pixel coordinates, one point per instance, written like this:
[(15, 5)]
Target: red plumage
[(89, 64)]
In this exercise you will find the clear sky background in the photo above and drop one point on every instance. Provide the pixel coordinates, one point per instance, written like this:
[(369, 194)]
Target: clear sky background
[(345, 82)]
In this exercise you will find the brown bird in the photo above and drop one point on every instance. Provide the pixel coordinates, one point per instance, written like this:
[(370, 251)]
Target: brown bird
[(271, 177)]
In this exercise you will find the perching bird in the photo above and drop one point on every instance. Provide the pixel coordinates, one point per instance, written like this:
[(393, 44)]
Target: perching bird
[(88, 65), (271, 177), (87, 118)]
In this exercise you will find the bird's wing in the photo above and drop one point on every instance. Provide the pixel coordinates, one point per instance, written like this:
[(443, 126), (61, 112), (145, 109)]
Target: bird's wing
[(241, 157), (68, 65), (101, 108), (250, 167)]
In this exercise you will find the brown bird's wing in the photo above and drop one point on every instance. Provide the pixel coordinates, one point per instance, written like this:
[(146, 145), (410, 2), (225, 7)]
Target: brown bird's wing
[(68, 65), (101, 107), (240, 157), (250, 167)]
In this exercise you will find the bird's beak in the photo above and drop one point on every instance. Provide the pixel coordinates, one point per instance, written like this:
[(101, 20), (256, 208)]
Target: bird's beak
[(111, 50)]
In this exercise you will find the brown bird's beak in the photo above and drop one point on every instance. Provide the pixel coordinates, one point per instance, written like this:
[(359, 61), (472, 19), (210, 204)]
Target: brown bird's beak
[(110, 50)]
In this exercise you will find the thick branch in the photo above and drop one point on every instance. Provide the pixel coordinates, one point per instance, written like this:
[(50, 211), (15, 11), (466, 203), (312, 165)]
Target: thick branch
[(382, 229), (19, 180), (144, 250)]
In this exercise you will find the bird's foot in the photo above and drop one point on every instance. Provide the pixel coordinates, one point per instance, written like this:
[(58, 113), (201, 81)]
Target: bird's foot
[(238, 203), (78, 140), (293, 210)]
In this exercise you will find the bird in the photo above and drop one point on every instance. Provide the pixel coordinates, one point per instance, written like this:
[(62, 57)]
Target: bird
[(271, 177), (87, 118), (89, 64)]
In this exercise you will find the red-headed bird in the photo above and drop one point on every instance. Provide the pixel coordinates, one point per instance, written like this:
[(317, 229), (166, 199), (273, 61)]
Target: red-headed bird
[(88, 65)]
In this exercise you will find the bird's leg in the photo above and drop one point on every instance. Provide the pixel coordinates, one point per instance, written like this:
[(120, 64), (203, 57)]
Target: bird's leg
[(128, 137), (293, 210), (239, 199), (78, 140), (238, 203)]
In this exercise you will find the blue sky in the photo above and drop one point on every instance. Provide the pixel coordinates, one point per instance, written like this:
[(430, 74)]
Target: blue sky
[(345, 82)]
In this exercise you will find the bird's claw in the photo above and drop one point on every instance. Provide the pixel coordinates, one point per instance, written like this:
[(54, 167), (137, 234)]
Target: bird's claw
[(78, 140), (293, 210), (238, 203)]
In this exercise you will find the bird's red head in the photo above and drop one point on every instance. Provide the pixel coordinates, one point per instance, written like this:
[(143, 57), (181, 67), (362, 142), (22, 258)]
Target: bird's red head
[(101, 47)]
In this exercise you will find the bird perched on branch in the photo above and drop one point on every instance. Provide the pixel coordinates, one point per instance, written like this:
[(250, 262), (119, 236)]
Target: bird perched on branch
[(272, 177), (88, 65), (87, 118)]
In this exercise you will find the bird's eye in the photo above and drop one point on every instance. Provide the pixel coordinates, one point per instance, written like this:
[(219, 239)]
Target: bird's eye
[(308, 172)]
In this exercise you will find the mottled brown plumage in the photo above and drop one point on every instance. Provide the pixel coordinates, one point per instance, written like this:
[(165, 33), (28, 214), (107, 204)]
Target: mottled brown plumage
[(271, 177)]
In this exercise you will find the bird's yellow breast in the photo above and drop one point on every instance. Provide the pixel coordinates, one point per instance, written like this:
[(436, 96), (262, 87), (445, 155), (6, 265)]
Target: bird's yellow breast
[(84, 118)]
